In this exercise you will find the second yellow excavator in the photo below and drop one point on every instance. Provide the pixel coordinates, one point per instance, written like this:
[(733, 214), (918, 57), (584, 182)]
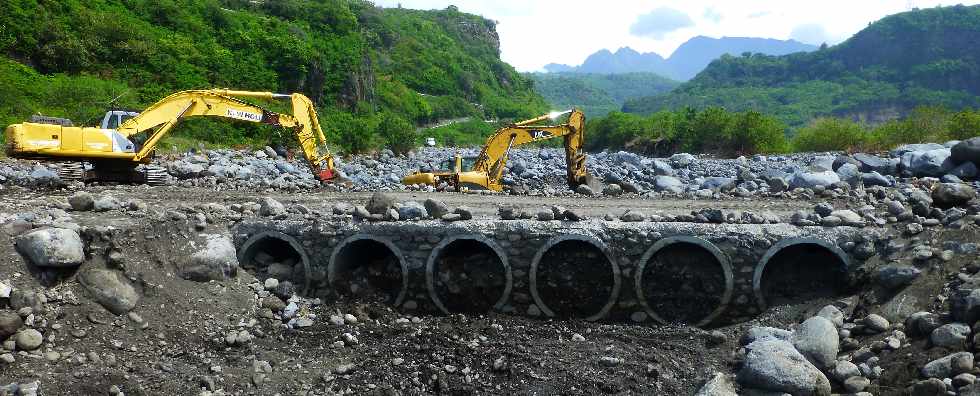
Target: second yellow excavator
[(115, 157), (487, 168)]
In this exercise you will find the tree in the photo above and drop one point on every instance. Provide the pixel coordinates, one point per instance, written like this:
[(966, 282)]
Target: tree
[(399, 135)]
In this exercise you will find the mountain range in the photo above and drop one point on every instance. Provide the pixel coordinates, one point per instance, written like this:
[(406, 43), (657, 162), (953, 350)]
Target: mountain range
[(924, 57), (686, 62)]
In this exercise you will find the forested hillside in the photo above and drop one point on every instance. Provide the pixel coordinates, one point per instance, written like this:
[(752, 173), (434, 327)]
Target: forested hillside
[(598, 94), (921, 57), (375, 73)]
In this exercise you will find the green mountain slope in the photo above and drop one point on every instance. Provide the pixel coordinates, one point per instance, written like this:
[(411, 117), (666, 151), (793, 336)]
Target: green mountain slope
[(921, 57), (360, 63), (598, 94)]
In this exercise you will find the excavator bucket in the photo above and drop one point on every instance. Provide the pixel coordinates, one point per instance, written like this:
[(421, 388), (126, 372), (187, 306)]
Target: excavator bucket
[(593, 182)]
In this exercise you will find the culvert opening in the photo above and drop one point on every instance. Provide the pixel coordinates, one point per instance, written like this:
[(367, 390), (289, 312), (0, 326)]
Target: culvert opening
[(574, 278), (468, 277), (274, 257), (368, 269), (683, 283), (802, 272)]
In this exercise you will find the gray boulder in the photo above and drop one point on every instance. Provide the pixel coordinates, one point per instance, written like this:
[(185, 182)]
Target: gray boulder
[(948, 195), (952, 335), (216, 261), (435, 208), (876, 179), (51, 247), (850, 174), (612, 190), (380, 203), (776, 365), (817, 340), (81, 201), (873, 163), (895, 276), (909, 148), (682, 160), (765, 333), (943, 367), (967, 151), (718, 183), (661, 168), (10, 322), (929, 163), (106, 203), (668, 184), (719, 385), (966, 170), (813, 179), (110, 288), (411, 210), (270, 207), (833, 314), (584, 189)]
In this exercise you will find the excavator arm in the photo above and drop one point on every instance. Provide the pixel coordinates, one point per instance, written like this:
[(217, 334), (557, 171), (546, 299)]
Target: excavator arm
[(160, 118), (492, 160)]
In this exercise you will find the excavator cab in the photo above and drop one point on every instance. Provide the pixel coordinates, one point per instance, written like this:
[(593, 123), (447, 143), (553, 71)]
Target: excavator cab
[(457, 164)]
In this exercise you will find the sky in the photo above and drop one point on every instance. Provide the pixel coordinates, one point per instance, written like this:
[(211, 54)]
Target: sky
[(534, 33)]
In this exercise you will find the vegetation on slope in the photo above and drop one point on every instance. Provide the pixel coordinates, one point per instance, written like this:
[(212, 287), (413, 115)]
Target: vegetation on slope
[(922, 57), (368, 69)]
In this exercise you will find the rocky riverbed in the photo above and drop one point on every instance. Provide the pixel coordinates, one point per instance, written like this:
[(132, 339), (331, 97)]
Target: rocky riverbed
[(139, 290)]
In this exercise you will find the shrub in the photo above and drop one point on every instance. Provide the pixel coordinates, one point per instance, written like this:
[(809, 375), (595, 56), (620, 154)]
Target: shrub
[(399, 135), (831, 134)]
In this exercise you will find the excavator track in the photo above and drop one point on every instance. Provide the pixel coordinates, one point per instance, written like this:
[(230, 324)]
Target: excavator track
[(70, 172), (155, 175)]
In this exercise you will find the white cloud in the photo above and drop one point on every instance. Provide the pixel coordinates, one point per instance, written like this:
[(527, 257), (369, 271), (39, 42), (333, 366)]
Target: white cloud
[(535, 33), (659, 22), (811, 33)]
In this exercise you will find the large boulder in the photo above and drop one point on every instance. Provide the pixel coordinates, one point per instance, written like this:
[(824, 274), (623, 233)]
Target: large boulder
[(435, 208), (668, 184), (910, 148), (718, 183), (775, 365), (873, 163), (817, 340), (950, 335), (411, 210), (380, 203), (813, 179), (943, 367), (10, 322), (967, 151), (895, 276), (947, 195), (928, 163), (217, 260), (719, 385), (52, 247), (270, 207), (81, 201), (110, 288)]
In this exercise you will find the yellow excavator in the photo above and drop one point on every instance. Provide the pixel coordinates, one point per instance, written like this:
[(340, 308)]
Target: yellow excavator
[(115, 157), (485, 171)]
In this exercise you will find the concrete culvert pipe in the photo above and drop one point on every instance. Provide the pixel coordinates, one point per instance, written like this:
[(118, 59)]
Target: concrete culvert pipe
[(468, 274), (684, 280), (273, 254), (368, 267), (794, 271), (572, 276)]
